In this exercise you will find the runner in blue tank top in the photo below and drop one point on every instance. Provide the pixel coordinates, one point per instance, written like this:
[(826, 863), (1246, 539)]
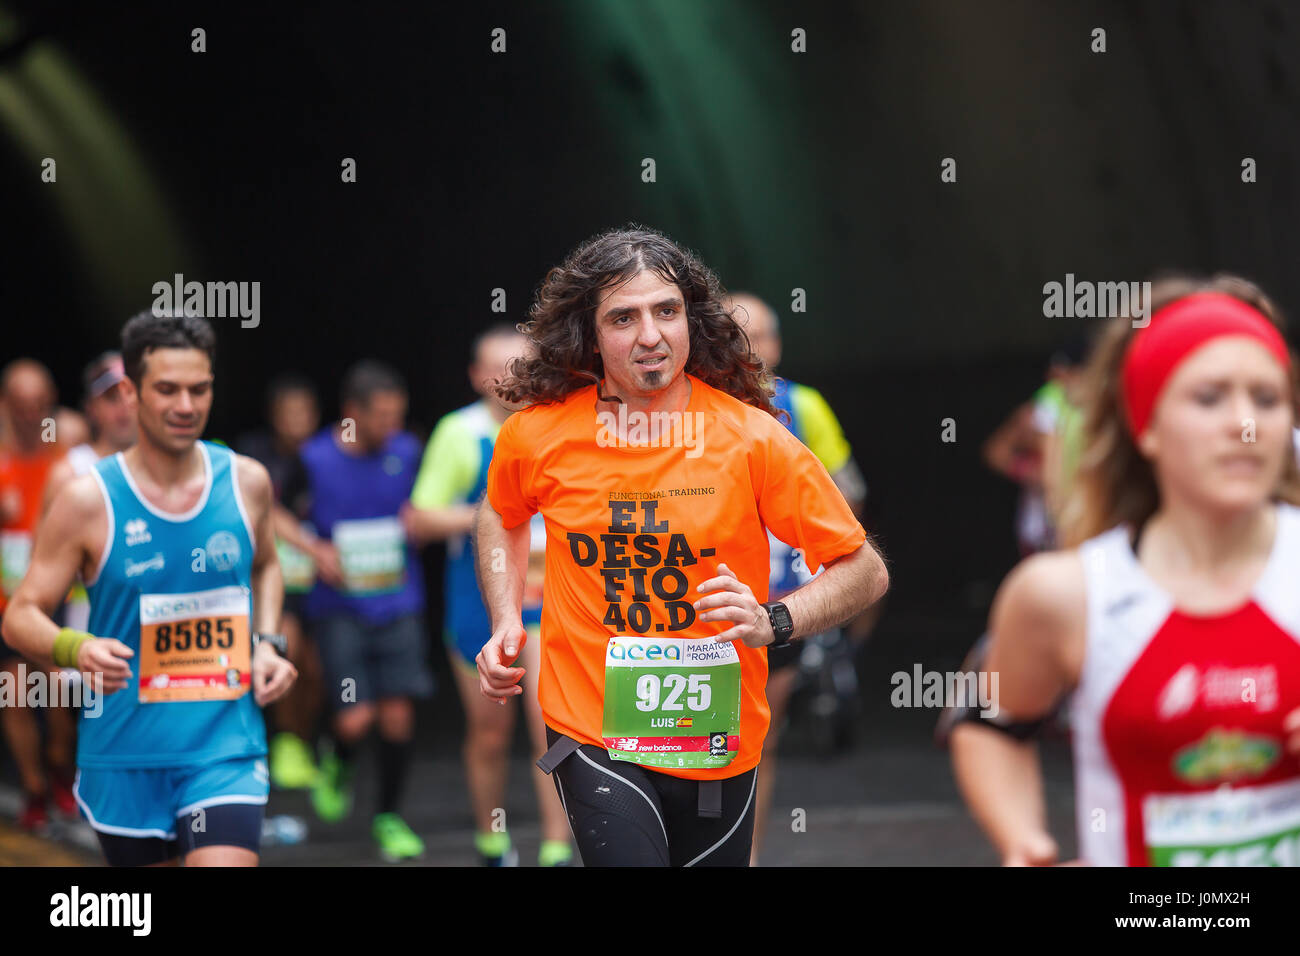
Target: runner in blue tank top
[(173, 538), (452, 478)]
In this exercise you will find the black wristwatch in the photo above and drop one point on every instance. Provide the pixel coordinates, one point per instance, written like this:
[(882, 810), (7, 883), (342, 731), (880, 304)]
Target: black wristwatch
[(278, 641), (778, 615)]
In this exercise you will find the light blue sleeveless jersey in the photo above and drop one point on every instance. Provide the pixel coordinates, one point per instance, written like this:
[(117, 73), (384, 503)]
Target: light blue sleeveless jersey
[(205, 555)]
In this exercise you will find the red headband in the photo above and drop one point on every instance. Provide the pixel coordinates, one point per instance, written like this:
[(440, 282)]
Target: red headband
[(1179, 329)]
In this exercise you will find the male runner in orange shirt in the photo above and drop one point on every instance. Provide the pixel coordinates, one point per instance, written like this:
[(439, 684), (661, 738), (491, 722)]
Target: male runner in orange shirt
[(651, 450)]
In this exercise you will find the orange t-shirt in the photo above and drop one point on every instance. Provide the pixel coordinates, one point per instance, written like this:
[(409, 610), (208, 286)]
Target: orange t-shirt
[(612, 509), (22, 482)]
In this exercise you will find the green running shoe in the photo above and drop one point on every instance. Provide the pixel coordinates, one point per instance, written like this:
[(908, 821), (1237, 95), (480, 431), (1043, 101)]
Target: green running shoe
[(331, 794), (396, 840), (555, 853), (292, 766)]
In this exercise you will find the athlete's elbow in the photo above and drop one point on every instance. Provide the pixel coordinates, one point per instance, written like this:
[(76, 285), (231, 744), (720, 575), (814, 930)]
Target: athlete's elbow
[(874, 576), (11, 623)]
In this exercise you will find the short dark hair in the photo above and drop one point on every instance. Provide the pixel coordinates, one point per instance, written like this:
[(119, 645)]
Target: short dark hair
[(367, 377), (145, 332), (286, 383)]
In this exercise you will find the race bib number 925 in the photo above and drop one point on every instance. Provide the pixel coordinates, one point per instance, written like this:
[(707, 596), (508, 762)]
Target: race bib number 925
[(672, 702)]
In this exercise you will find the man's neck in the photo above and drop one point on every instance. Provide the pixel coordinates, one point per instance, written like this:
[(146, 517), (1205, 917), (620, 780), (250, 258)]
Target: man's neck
[(163, 468), (283, 444), (675, 398), (28, 443), (353, 448), (102, 447)]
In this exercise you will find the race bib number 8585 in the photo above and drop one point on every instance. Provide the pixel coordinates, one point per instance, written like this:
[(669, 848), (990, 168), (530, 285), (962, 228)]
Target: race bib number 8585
[(195, 646)]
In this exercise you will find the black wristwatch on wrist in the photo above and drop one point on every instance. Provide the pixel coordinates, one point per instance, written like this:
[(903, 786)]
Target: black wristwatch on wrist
[(278, 641), (778, 615)]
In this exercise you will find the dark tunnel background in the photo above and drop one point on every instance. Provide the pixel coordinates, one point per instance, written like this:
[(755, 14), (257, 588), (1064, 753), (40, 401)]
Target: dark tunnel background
[(817, 171)]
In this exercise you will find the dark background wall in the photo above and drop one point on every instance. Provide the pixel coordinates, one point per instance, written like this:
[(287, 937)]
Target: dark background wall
[(817, 171)]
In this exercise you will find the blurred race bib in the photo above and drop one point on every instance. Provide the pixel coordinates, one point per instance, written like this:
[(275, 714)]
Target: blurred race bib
[(372, 553), (297, 568), (1231, 826), (15, 555)]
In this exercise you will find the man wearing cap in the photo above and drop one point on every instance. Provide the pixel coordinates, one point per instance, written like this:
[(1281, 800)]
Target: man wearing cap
[(110, 409)]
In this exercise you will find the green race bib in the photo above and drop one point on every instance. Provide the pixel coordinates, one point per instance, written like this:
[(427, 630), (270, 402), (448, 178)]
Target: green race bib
[(15, 555), (1242, 826), (296, 566), (373, 555), (672, 702)]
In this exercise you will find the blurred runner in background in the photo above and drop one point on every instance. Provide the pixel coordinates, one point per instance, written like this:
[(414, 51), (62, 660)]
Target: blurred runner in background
[(369, 622), (810, 419), (293, 415), (452, 479), (26, 459)]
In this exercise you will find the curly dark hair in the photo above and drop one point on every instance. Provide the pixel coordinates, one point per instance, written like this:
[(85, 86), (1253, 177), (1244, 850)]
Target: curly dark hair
[(562, 322)]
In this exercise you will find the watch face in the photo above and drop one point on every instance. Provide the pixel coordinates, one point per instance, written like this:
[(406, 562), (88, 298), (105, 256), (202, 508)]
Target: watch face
[(781, 616)]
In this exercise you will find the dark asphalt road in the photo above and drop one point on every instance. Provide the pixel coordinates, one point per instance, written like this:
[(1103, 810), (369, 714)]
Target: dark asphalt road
[(889, 800)]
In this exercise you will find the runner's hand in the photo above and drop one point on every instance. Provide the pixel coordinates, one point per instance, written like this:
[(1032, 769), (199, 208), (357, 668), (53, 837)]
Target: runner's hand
[(328, 566), (412, 523), (496, 678), (272, 675), (105, 657), (1033, 849), (734, 601)]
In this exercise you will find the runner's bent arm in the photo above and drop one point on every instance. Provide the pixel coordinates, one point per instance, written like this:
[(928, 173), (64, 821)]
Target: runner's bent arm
[(289, 529), (447, 475), (272, 675), (267, 581), (1003, 451), (60, 474), (1037, 626), (848, 585), (71, 536), (502, 559), (322, 553), (425, 525)]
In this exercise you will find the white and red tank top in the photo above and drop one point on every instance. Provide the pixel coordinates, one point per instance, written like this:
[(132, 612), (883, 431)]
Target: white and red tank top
[(1179, 752)]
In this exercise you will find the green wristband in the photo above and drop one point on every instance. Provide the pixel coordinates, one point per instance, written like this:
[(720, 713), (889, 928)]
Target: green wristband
[(68, 645)]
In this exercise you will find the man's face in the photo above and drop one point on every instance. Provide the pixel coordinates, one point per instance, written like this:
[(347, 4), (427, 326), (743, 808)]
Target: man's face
[(114, 415), (29, 397), (760, 325), (294, 416), (494, 354), (378, 419), (642, 334), (175, 398)]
